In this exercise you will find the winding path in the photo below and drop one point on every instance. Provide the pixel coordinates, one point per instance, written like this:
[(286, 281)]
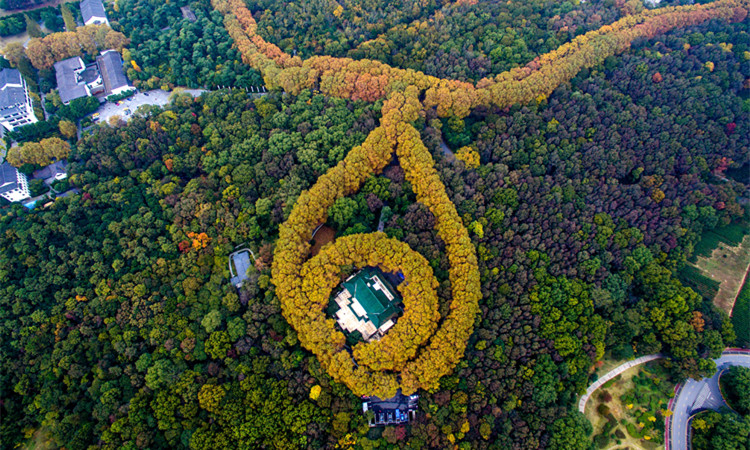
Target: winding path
[(613, 373)]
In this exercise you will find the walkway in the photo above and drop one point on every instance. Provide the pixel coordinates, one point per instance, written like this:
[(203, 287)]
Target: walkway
[(695, 396), (446, 150), (613, 373)]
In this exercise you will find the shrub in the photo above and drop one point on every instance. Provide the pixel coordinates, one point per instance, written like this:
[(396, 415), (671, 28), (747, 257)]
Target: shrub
[(601, 440), (118, 97)]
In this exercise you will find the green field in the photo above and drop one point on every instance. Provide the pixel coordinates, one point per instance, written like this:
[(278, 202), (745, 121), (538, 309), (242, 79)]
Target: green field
[(741, 316), (703, 285), (732, 235)]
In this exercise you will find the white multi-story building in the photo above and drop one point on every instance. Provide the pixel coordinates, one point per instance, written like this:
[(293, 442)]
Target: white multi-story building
[(93, 12), (14, 186), (16, 109)]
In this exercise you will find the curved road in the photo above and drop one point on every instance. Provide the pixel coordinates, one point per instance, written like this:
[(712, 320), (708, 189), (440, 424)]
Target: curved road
[(695, 396), (690, 398), (613, 373)]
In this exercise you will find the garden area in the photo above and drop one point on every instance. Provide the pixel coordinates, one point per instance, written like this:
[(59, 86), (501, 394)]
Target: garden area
[(629, 410)]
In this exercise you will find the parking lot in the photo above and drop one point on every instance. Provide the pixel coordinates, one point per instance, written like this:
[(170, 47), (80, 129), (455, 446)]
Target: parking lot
[(155, 97)]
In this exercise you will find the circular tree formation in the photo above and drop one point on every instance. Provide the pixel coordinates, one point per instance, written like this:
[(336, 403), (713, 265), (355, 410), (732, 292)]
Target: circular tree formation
[(407, 95), (420, 367), (321, 275)]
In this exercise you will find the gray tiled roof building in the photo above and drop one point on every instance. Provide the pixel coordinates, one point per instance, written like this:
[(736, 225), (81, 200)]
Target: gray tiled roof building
[(113, 75), (93, 12), (69, 85)]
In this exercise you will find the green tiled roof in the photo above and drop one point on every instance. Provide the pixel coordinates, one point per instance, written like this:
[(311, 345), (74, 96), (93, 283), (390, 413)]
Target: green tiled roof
[(375, 303)]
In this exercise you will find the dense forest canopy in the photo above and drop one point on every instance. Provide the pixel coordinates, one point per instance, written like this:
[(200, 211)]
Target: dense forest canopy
[(168, 49), (119, 327), (465, 40)]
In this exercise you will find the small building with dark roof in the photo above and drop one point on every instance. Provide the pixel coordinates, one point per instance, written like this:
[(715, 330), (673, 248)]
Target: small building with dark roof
[(14, 185), (367, 304), (93, 12), (392, 411), (16, 108), (51, 173)]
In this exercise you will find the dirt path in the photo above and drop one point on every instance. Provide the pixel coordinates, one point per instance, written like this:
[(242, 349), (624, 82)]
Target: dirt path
[(324, 235), (22, 38)]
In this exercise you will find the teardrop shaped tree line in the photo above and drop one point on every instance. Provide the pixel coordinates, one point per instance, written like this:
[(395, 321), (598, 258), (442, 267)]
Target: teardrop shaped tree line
[(303, 287)]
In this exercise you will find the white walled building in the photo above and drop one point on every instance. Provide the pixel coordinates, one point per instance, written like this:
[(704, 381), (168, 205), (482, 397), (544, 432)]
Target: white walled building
[(14, 185), (93, 12), (16, 109)]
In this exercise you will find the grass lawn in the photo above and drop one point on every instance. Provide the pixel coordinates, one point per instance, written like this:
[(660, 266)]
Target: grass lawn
[(741, 316), (628, 408), (732, 235), (718, 265)]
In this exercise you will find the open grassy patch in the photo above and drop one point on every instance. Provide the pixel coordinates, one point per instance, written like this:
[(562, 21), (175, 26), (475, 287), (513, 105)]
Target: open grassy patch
[(741, 316), (627, 412), (700, 283), (719, 264), (732, 235)]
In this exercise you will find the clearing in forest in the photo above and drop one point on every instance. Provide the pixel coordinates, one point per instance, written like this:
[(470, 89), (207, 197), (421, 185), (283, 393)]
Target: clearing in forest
[(322, 236), (720, 273)]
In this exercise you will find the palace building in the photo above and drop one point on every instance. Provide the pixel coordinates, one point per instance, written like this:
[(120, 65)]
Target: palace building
[(367, 304)]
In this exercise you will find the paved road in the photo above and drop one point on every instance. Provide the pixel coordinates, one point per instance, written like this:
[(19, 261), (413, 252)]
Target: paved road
[(695, 396), (613, 373)]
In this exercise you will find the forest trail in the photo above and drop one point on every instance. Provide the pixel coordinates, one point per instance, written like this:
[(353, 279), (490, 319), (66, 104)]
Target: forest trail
[(447, 150)]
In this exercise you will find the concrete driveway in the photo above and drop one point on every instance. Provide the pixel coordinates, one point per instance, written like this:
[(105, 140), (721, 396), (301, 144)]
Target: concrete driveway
[(695, 396), (155, 97)]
